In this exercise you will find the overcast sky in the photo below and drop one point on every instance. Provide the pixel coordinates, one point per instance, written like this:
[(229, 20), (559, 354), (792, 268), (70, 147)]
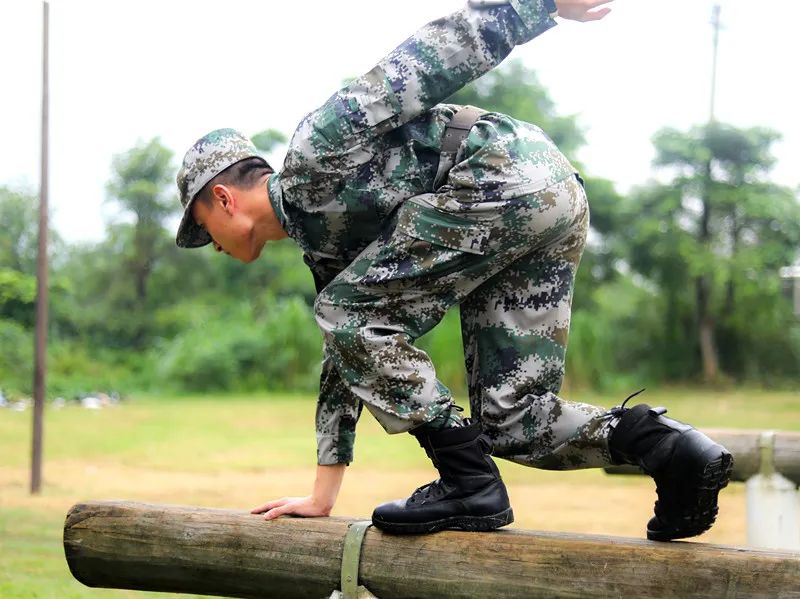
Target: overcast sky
[(124, 71)]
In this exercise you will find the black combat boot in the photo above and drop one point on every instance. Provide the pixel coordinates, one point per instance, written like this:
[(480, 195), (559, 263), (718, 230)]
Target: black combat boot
[(689, 469), (469, 495)]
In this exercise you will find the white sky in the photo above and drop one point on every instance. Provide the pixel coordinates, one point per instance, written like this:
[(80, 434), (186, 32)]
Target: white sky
[(124, 71)]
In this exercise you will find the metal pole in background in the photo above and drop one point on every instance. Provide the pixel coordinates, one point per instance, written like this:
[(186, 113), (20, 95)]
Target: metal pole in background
[(715, 22), (40, 344)]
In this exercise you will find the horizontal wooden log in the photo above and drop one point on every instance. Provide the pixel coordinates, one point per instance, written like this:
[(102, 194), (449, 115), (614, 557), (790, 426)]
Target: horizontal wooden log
[(219, 552), (745, 447)]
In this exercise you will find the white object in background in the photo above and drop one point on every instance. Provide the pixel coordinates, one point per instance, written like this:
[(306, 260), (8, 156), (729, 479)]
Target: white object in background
[(21, 405), (773, 504), (91, 403)]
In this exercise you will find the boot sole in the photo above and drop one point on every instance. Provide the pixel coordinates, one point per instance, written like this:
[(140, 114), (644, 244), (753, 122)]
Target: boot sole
[(715, 476), (470, 523)]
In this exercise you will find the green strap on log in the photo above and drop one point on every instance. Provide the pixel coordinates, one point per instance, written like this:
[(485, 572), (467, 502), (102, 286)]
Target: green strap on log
[(351, 557)]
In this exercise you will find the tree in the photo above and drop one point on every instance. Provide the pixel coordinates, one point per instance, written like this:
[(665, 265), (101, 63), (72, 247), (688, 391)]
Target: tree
[(267, 140), (18, 252), (137, 186), (718, 228), (140, 178), (18, 243)]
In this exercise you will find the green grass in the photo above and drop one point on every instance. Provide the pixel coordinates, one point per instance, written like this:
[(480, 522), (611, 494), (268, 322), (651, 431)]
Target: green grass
[(194, 434), (228, 450)]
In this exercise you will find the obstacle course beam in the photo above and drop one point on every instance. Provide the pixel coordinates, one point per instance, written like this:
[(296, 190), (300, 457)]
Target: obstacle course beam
[(745, 447), (236, 554)]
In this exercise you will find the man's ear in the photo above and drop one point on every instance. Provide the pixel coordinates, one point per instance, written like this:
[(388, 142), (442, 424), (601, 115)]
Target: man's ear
[(223, 195)]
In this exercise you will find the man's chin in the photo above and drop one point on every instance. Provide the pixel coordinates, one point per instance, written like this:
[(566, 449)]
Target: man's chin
[(255, 252), (252, 256), (245, 259)]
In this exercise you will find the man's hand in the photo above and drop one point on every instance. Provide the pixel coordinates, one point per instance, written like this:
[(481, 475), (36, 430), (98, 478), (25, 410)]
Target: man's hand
[(582, 10), (297, 506), (319, 503)]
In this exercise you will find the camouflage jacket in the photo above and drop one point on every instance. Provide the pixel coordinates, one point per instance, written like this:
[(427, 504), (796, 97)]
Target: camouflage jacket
[(376, 142)]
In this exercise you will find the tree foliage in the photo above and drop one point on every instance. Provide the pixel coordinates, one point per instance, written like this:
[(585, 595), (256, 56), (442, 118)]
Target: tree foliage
[(19, 241), (268, 139), (712, 239)]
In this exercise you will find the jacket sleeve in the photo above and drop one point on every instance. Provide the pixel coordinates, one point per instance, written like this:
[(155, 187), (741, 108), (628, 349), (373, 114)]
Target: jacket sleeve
[(424, 70), (338, 411)]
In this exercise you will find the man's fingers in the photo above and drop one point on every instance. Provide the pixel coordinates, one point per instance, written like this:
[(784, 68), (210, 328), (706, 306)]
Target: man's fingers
[(583, 10), (268, 506), (278, 511), (596, 15)]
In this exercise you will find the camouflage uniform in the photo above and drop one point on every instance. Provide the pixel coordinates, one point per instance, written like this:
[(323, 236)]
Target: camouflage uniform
[(396, 233)]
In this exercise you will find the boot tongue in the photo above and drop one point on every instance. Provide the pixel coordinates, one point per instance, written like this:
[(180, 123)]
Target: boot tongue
[(460, 455), (640, 437), (629, 421), (465, 466)]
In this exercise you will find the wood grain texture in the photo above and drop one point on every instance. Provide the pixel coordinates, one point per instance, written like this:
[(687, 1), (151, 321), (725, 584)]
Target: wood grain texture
[(744, 445), (220, 552)]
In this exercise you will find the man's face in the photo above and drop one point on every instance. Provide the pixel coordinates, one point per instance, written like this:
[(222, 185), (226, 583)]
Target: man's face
[(227, 222)]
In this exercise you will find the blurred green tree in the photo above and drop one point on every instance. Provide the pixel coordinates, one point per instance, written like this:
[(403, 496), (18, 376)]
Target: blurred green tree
[(268, 139), (17, 296), (139, 179), (712, 238), (18, 243)]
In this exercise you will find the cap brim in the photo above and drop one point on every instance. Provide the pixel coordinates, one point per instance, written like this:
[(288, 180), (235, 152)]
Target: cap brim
[(190, 234)]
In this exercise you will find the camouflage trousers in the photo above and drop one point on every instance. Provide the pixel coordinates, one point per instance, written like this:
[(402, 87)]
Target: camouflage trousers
[(508, 257)]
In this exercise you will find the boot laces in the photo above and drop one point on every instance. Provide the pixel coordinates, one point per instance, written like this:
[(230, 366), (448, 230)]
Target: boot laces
[(618, 411), (432, 490)]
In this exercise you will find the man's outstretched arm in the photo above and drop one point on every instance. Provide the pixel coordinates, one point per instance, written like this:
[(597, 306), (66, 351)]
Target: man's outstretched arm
[(427, 68)]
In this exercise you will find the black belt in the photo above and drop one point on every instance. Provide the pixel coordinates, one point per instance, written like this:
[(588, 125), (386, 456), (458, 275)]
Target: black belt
[(455, 132), (458, 128)]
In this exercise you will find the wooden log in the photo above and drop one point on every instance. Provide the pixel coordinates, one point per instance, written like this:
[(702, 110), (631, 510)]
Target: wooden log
[(219, 552), (744, 445)]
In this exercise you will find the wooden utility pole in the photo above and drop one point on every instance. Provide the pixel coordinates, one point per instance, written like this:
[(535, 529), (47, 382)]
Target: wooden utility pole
[(40, 344)]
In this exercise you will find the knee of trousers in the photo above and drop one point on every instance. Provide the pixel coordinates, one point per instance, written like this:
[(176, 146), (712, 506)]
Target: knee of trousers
[(329, 316), (346, 326)]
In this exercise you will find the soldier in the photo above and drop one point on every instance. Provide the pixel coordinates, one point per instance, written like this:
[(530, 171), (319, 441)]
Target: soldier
[(405, 206)]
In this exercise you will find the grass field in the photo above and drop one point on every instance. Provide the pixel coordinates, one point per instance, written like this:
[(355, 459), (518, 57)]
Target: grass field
[(236, 452)]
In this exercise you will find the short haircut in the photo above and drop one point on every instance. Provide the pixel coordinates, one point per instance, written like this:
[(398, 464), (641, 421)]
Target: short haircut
[(245, 174)]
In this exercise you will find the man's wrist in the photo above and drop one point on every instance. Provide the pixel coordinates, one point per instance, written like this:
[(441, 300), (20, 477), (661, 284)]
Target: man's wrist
[(324, 504), (326, 486)]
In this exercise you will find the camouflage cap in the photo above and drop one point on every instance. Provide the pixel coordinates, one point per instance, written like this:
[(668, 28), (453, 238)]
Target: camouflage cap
[(208, 157)]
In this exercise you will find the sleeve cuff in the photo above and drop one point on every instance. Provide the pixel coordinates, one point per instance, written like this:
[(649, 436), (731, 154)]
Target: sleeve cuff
[(331, 450), (537, 15)]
